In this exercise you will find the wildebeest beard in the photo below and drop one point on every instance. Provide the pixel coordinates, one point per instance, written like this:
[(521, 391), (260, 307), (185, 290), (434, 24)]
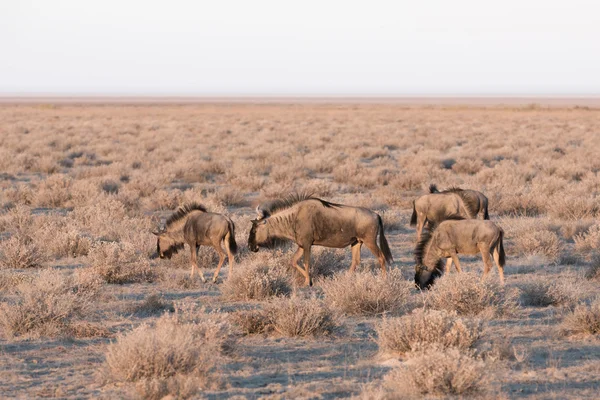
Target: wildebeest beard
[(437, 272), (168, 253)]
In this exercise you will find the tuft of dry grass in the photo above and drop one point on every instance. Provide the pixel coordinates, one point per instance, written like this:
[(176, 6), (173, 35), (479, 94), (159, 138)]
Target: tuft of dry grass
[(255, 281), (470, 295), (584, 320), (558, 292), (438, 373), (159, 355), (426, 328), (364, 293), (120, 263), (251, 322), (20, 251), (593, 271), (153, 304), (297, 316), (48, 305)]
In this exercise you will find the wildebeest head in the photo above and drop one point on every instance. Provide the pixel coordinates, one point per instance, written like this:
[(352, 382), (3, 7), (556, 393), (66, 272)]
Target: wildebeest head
[(425, 276), (165, 245), (259, 234)]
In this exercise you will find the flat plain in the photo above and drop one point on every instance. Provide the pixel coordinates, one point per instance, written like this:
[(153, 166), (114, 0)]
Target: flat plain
[(87, 311)]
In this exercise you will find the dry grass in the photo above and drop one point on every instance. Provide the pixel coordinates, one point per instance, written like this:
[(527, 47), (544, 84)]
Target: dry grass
[(163, 355), (297, 316), (251, 322), (559, 292), (424, 329), (256, 281), (438, 373), (20, 251), (47, 306), (469, 295), (584, 320), (365, 293), (119, 263)]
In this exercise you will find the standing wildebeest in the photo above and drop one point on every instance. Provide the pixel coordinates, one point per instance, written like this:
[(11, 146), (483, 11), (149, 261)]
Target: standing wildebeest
[(453, 236), (310, 221), (193, 225), (433, 209), (478, 199)]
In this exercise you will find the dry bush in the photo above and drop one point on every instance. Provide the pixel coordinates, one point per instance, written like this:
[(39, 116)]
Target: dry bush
[(10, 279), (584, 320), (59, 237), (558, 292), (48, 305), (230, 197), (425, 328), (536, 240), (468, 294), (153, 304), (296, 316), (467, 166), (158, 355), (365, 293), (573, 207), (256, 281), (178, 279), (251, 322), (593, 271), (436, 373), (120, 263), (589, 240), (54, 191), (20, 251)]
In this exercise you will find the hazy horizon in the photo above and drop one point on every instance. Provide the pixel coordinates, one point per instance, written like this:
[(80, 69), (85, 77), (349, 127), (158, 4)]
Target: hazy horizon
[(269, 49)]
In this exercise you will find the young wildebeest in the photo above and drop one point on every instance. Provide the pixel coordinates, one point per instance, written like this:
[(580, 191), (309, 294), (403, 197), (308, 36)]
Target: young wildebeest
[(193, 225), (478, 199), (453, 236), (310, 221), (433, 209)]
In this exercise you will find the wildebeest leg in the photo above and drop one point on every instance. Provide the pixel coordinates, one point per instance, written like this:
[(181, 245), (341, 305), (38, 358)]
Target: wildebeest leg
[(194, 253), (230, 258), (308, 281), (500, 267), (219, 250), (456, 262), (421, 219), (487, 262), (295, 258), (372, 245), (355, 256), (448, 265)]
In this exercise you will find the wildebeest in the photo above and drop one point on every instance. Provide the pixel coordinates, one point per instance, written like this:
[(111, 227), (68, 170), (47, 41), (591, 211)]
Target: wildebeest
[(478, 199), (433, 209), (454, 236), (194, 225), (309, 221)]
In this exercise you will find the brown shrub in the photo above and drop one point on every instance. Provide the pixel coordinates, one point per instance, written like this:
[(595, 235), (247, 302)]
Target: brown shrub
[(256, 281), (558, 292), (47, 305), (119, 263), (19, 251), (159, 354), (251, 322), (538, 241), (584, 320), (468, 294), (589, 240), (425, 328), (230, 197), (296, 316), (365, 293), (593, 271), (54, 191), (447, 372)]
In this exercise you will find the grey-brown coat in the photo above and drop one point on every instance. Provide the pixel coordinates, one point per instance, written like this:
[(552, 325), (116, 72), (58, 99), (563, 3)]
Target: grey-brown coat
[(458, 236), (478, 200), (310, 221), (194, 225)]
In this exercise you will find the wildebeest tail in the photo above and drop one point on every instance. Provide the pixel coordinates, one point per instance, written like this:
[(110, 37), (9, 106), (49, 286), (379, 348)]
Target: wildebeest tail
[(383, 244), (502, 259), (485, 211), (232, 243), (413, 218)]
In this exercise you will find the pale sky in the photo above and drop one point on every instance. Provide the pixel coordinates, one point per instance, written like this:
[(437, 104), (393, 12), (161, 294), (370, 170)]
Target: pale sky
[(260, 47)]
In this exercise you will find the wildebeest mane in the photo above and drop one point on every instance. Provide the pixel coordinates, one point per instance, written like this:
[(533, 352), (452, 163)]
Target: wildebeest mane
[(471, 202), (274, 206), (426, 236), (183, 211)]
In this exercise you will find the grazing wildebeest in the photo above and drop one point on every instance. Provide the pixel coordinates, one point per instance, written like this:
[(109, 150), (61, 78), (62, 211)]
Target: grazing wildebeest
[(478, 199), (194, 225), (433, 209), (454, 236), (309, 221)]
